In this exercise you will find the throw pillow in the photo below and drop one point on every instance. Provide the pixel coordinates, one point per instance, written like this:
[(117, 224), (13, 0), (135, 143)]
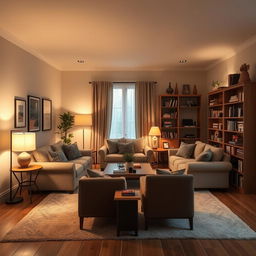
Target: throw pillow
[(178, 172), (125, 148), (71, 151), (185, 150), (57, 146), (138, 144), (199, 148), (217, 153), (96, 174), (58, 156), (205, 156), (41, 154), (112, 146), (163, 172)]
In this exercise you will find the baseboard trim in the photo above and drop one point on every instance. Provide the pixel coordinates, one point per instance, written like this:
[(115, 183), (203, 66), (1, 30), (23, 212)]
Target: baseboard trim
[(5, 194)]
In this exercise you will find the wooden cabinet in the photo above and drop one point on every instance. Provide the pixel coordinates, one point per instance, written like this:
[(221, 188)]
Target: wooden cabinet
[(180, 118), (231, 125)]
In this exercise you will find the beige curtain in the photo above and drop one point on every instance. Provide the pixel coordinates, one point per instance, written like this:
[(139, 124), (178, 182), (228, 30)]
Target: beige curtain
[(102, 102), (145, 108)]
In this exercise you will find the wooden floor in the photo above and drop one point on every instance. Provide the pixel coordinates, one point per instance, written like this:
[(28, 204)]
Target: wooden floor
[(242, 205)]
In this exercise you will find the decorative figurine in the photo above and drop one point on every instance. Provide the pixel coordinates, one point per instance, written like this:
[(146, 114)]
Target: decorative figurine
[(169, 90), (176, 91), (244, 76), (195, 90)]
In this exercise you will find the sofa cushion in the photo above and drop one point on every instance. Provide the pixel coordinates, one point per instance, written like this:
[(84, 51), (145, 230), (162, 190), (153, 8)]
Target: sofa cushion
[(125, 148), (58, 156), (205, 156), (42, 154), (138, 144), (217, 153), (71, 151), (179, 172), (140, 158), (112, 146), (163, 172), (57, 146), (113, 158), (179, 164), (185, 150), (85, 161), (199, 148)]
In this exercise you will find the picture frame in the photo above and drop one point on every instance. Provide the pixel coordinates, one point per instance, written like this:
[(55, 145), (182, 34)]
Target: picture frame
[(186, 89), (19, 112), (166, 145), (46, 114), (33, 113)]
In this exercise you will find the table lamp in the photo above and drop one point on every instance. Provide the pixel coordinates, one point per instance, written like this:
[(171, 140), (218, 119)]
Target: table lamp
[(154, 132), (83, 120), (22, 142)]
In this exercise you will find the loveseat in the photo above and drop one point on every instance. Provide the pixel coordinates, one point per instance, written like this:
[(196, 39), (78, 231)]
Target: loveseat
[(114, 150), (58, 175), (207, 174)]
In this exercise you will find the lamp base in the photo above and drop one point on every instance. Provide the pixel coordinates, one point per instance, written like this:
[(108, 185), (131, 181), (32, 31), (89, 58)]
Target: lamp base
[(154, 142), (24, 159), (15, 200)]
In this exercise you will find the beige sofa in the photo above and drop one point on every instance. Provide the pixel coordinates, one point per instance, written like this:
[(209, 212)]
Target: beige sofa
[(212, 174), (142, 153), (60, 176), (155, 202)]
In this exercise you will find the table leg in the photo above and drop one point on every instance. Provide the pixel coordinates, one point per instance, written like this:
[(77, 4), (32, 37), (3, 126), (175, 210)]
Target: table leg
[(30, 186)]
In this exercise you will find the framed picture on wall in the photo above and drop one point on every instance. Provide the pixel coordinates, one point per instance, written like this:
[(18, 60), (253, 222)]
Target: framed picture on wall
[(33, 113), (20, 112), (46, 114), (166, 145)]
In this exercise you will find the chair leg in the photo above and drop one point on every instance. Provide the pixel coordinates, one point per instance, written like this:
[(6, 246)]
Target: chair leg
[(191, 223), (81, 222)]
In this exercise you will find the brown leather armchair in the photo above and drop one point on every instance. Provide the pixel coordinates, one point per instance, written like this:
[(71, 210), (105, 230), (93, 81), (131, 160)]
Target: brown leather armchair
[(96, 197), (167, 196)]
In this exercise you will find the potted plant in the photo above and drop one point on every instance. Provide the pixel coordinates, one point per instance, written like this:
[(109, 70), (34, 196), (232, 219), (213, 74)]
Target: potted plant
[(66, 123), (129, 161)]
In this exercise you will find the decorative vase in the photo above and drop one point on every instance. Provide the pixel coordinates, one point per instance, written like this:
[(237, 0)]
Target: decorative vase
[(176, 91), (194, 90), (244, 76), (169, 90), (129, 166)]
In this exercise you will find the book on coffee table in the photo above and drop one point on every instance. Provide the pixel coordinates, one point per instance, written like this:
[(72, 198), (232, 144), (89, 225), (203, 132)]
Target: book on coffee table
[(128, 192)]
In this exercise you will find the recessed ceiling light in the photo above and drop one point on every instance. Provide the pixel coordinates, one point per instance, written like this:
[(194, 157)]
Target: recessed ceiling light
[(183, 61), (80, 61)]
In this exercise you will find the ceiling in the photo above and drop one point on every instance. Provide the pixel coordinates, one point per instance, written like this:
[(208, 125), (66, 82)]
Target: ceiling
[(129, 34)]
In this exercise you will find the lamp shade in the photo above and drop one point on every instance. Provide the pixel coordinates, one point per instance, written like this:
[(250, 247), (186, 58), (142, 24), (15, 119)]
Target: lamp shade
[(83, 120), (23, 141), (154, 131)]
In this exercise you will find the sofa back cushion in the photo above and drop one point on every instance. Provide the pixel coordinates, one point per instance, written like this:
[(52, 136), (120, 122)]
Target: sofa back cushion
[(125, 148), (205, 156), (112, 146), (71, 151), (199, 148), (138, 144), (186, 150), (57, 146), (217, 153), (58, 156), (42, 154)]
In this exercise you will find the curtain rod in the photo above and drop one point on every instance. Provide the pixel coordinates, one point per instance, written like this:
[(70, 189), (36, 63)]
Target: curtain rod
[(123, 82)]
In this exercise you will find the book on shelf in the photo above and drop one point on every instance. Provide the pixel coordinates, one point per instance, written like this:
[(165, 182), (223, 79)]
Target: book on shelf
[(171, 103), (128, 192), (216, 113), (235, 125), (240, 166), (169, 135), (235, 111)]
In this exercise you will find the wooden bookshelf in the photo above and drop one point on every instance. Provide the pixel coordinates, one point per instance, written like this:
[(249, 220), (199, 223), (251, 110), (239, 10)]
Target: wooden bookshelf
[(231, 125), (174, 109)]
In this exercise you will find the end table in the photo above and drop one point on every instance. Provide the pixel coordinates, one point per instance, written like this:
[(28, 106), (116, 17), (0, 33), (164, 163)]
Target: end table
[(30, 170), (127, 212), (159, 151)]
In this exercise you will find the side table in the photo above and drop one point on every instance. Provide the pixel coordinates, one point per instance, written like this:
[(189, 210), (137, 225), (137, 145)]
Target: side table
[(127, 212), (159, 151), (32, 169)]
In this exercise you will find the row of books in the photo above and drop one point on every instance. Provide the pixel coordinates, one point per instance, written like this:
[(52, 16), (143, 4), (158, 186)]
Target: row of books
[(235, 111), (169, 135), (167, 124), (215, 113), (237, 97), (170, 115), (240, 165), (217, 126), (213, 102), (171, 103), (230, 150), (240, 152), (235, 125)]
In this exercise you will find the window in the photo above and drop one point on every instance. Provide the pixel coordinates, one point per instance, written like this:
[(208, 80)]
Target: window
[(123, 111)]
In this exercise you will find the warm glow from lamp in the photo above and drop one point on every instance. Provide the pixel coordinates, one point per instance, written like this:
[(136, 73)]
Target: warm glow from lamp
[(21, 142), (83, 120), (154, 131)]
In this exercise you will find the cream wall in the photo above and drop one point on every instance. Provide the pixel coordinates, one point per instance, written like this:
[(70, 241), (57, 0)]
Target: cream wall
[(77, 92), (22, 74), (232, 65)]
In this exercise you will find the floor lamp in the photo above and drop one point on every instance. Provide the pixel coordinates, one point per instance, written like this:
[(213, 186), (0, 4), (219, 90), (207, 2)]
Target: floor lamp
[(20, 142), (83, 120)]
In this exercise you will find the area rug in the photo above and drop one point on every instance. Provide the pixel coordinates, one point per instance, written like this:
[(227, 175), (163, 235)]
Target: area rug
[(56, 218)]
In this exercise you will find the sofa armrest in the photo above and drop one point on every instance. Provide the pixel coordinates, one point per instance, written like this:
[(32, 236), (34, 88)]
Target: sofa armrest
[(102, 153), (148, 152), (86, 152), (172, 151), (63, 167), (216, 166)]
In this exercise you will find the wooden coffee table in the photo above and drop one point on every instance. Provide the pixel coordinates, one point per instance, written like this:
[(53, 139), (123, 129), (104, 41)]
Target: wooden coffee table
[(143, 171)]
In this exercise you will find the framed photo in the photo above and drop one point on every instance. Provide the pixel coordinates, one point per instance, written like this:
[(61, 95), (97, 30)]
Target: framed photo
[(46, 114), (186, 89), (166, 145), (33, 113), (20, 112)]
